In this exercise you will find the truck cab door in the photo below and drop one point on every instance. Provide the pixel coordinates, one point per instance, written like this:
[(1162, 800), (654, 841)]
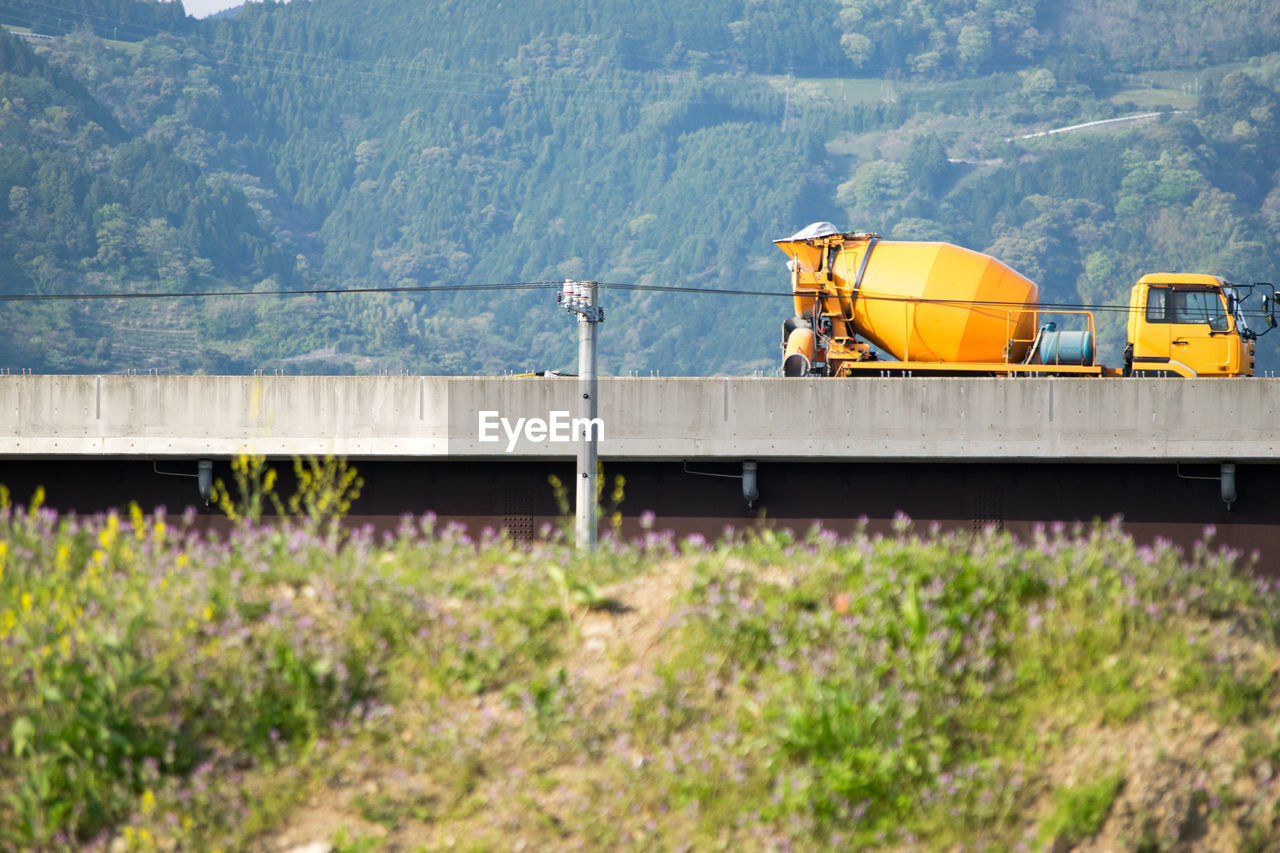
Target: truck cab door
[(1199, 330), (1183, 330)]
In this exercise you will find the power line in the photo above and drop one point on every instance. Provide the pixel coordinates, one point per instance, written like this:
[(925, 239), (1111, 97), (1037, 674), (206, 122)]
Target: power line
[(673, 288), (412, 75), (556, 285), (323, 291), (383, 73), (194, 26)]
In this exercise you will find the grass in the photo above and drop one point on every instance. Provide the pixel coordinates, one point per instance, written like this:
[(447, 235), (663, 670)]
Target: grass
[(851, 90), (162, 688), (1080, 810)]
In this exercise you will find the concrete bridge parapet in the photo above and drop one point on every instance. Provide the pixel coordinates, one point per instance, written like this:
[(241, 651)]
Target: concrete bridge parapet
[(389, 417)]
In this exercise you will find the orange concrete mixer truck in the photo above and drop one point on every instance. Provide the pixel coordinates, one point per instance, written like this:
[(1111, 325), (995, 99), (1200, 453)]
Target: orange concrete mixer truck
[(873, 307)]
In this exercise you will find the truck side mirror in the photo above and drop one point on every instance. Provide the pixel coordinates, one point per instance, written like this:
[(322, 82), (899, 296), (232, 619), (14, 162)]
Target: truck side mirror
[(1269, 310)]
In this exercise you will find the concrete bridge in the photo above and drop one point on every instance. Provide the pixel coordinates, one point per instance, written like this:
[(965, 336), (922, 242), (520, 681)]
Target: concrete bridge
[(963, 452)]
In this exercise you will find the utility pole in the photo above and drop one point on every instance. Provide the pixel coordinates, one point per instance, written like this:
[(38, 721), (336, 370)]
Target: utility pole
[(580, 298)]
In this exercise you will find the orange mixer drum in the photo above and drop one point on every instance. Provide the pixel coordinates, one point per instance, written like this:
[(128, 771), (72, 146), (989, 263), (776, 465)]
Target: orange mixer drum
[(929, 302)]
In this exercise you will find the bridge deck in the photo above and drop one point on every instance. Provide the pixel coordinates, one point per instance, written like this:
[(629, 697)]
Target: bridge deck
[(411, 417)]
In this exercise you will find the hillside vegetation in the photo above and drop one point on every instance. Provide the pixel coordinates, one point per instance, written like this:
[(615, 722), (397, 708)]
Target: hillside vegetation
[(335, 144)]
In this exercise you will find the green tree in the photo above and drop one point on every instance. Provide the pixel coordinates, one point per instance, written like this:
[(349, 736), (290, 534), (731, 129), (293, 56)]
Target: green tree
[(973, 46), (1039, 85), (875, 188), (116, 239)]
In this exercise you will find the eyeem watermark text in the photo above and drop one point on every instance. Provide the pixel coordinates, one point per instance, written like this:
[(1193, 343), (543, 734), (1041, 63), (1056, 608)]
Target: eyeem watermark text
[(557, 427)]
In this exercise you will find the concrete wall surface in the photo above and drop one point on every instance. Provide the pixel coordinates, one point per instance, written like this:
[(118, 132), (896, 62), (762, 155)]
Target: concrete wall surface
[(916, 419), (222, 415)]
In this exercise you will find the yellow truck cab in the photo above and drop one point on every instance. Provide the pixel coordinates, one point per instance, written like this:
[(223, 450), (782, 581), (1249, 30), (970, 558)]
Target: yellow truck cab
[(1187, 325)]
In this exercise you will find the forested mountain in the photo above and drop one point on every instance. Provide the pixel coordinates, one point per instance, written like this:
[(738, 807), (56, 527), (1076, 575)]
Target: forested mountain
[(127, 20), (335, 144)]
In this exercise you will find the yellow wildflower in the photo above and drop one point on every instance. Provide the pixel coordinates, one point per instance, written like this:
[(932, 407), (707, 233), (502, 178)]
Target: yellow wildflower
[(107, 535), (139, 523)]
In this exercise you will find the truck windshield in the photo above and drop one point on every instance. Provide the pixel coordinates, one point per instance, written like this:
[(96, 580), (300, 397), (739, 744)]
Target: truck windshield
[(1198, 306)]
